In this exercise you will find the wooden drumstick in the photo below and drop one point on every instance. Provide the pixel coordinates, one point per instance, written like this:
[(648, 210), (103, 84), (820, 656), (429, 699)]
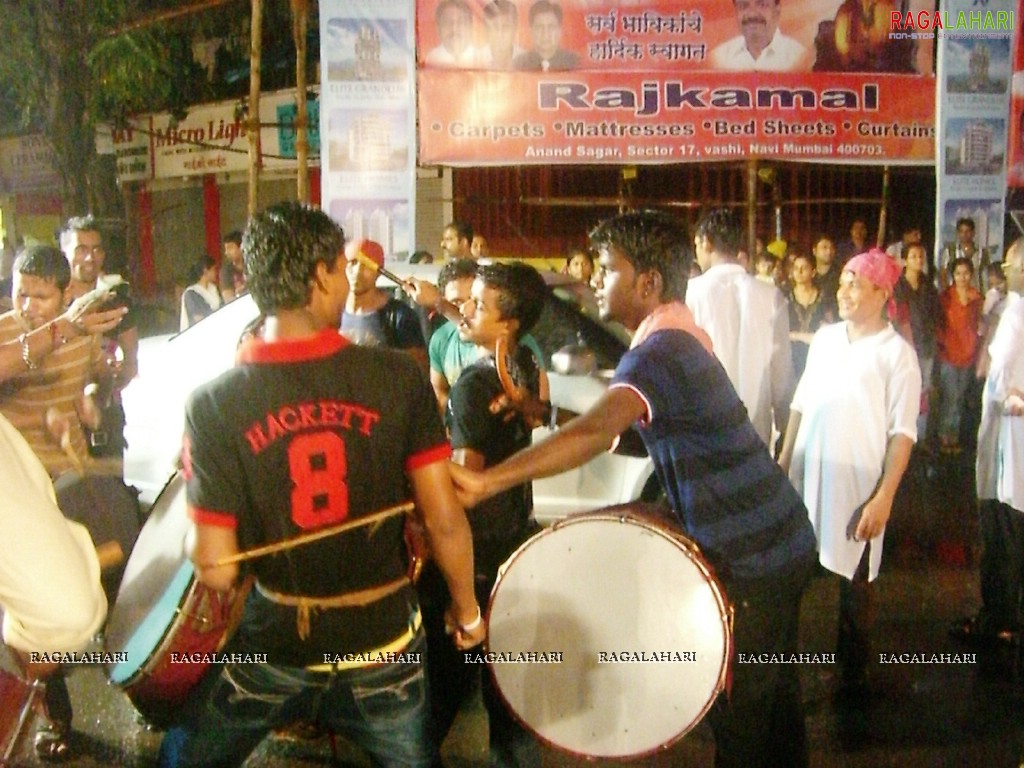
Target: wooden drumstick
[(110, 554), (309, 538), (59, 428), (366, 261), (445, 307)]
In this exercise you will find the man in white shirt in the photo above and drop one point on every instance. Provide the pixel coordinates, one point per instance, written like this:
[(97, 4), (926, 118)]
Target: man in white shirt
[(760, 47), (454, 20), (1000, 485), (748, 322), (50, 593), (851, 430)]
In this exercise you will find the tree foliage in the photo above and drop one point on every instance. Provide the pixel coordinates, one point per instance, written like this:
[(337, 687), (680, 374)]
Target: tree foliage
[(66, 68)]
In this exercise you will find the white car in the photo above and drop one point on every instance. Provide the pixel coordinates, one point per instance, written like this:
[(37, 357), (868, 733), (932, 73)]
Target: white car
[(171, 366)]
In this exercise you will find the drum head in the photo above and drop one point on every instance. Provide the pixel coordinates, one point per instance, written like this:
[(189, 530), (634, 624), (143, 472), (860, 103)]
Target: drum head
[(155, 579), (641, 627)]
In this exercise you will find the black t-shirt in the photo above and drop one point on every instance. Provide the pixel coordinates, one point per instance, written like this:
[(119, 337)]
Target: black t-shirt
[(298, 436), (394, 325), (496, 436)]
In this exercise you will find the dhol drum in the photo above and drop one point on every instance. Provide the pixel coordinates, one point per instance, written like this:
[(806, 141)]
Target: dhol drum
[(609, 635), (17, 699), (163, 616), (110, 512)]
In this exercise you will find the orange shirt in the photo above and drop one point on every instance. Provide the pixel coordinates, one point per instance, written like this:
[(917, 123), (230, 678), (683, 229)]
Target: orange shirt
[(958, 334)]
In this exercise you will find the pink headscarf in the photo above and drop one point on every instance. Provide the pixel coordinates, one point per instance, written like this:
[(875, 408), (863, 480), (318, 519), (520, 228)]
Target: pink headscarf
[(880, 269), (877, 266)]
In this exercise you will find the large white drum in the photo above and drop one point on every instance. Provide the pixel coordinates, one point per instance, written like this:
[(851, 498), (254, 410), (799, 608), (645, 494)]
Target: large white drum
[(609, 636)]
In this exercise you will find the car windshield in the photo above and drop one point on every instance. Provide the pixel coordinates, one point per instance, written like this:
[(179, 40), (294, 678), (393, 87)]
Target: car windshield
[(565, 322)]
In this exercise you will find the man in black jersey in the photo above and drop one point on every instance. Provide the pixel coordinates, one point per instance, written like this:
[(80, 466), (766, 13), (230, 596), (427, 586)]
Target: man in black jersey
[(505, 302), (308, 431)]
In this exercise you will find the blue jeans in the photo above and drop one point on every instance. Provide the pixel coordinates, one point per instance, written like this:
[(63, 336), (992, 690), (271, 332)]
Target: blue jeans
[(953, 383), (382, 709)]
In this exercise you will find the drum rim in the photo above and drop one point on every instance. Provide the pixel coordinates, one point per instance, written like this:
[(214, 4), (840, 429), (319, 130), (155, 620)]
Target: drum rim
[(678, 539)]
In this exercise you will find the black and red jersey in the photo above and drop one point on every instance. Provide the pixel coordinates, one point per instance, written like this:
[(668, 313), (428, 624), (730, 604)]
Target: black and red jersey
[(305, 434)]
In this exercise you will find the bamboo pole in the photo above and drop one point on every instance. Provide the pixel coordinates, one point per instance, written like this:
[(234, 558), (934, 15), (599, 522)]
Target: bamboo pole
[(300, 23), (752, 209), (253, 123), (883, 210)]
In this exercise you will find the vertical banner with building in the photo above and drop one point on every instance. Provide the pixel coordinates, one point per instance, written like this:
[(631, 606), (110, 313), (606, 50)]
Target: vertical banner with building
[(368, 119), (972, 102)]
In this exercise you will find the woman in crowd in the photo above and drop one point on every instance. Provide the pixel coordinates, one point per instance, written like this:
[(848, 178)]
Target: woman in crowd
[(958, 349), (809, 308), (918, 299), (580, 265), (203, 297)]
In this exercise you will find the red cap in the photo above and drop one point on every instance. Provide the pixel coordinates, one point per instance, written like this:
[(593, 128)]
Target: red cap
[(367, 248)]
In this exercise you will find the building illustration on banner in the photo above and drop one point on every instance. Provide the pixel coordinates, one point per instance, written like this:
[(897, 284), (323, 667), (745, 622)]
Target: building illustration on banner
[(977, 66), (975, 145), (377, 225)]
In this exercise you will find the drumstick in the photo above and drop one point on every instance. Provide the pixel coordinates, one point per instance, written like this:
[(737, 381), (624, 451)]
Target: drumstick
[(514, 393), (309, 538), (109, 554), (535, 408), (60, 429), (71, 453), (445, 307)]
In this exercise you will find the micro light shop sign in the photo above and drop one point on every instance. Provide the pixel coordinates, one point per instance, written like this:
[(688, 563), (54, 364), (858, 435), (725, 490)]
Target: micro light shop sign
[(209, 140)]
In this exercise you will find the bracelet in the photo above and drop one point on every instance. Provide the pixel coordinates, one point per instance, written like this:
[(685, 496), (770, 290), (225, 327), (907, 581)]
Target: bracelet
[(26, 355), (553, 418), (464, 628)]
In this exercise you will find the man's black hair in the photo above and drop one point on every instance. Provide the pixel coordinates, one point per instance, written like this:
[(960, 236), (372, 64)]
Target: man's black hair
[(456, 269), (282, 246), (650, 240), (521, 292), (722, 231), (463, 230), (44, 262)]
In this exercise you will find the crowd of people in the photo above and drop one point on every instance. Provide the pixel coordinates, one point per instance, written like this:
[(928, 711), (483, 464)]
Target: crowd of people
[(741, 371)]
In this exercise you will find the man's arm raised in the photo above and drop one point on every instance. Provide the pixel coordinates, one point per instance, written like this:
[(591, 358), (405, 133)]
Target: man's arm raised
[(576, 443), (452, 546)]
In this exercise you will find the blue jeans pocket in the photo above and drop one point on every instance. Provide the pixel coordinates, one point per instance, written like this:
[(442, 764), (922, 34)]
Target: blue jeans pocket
[(399, 691)]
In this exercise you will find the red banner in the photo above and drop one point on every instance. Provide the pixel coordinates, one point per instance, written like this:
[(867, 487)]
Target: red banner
[(656, 81), (495, 118)]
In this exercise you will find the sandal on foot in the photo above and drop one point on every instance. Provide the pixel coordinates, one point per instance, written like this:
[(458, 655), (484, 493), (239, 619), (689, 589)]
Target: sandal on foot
[(53, 743)]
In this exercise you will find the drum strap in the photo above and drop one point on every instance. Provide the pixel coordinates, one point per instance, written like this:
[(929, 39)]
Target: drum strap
[(307, 605)]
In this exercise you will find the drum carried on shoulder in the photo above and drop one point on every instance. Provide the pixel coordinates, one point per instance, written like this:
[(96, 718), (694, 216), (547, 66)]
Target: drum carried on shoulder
[(164, 620), (609, 635)]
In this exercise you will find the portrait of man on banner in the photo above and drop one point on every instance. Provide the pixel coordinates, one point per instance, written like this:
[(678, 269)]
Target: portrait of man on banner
[(761, 46)]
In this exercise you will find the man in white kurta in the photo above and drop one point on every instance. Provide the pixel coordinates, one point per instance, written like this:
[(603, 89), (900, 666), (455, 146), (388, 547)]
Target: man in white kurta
[(49, 574), (748, 322), (1000, 484), (852, 425), (50, 589)]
